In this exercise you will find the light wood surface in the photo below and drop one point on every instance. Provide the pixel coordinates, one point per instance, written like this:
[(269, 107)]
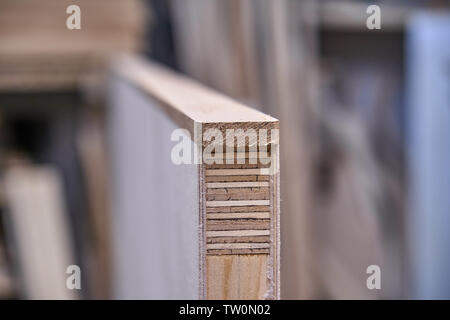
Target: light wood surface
[(40, 234), (186, 100), (38, 51), (238, 212), (237, 276)]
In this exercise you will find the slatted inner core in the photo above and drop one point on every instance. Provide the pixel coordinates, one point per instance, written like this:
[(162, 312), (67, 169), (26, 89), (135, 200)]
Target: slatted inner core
[(238, 210)]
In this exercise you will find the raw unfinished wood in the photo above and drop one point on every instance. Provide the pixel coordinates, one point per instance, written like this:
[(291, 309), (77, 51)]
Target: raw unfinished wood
[(269, 59), (237, 233), (237, 245), (237, 203), (38, 51), (237, 276), (238, 194), (239, 215), (189, 102), (40, 232), (236, 172), (237, 184)]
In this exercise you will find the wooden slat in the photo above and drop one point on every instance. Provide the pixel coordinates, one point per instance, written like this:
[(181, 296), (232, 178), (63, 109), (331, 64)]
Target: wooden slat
[(236, 233), (236, 172), (239, 215), (237, 224), (251, 184), (244, 245), (235, 203)]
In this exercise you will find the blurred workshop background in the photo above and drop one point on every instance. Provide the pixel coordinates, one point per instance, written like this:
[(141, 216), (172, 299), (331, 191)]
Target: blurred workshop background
[(365, 138)]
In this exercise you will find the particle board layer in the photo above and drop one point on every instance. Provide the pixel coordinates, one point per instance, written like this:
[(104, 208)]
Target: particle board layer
[(235, 156)]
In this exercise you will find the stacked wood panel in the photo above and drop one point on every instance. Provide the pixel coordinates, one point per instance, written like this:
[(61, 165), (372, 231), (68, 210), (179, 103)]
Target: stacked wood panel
[(238, 183)]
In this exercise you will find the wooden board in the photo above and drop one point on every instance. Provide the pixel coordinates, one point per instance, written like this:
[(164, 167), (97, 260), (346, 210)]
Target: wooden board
[(40, 231), (38, 51), (237, 196), (267, 57)]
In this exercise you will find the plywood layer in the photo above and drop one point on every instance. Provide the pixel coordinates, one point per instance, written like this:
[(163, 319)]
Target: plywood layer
[(238, 190), (241, 229), (231, 231)]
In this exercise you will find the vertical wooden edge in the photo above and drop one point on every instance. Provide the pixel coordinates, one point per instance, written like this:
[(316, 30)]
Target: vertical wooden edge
[(201, 234), (202, 214), (277, 241), (274, 258)]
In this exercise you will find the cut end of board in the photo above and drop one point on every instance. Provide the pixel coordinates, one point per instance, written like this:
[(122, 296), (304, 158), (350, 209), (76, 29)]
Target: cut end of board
[(238, 177), (241, 207)]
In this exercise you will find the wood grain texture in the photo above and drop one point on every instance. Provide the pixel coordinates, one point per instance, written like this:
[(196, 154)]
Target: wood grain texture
[(238, 192), (187, 101), (242, 240), (236, 276)]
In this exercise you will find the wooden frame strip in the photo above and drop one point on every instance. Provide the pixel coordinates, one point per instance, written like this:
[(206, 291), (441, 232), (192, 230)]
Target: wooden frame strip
[(239, 215), (238, 245), (236, 233), (237, 172), (250, 184), (237, 203)]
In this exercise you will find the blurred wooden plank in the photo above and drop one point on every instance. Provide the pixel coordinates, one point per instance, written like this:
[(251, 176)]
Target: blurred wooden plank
[(273, 57), (41, 232), (38, 52)]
